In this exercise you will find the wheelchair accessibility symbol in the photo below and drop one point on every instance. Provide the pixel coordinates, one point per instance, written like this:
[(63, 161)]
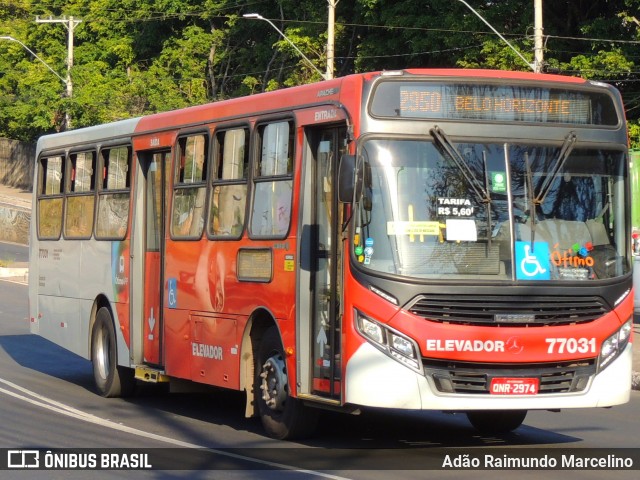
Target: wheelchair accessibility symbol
[(172, 287), (532, 261)]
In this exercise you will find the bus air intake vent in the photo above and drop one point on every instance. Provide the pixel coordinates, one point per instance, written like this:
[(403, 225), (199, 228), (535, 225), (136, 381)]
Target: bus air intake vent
[(469, 378), (497, 310)]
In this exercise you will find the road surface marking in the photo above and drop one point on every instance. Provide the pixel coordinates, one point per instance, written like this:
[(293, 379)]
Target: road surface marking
[(69, 411)]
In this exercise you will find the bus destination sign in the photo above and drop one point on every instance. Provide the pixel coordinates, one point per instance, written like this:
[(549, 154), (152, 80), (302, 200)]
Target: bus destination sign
[(501, 103)]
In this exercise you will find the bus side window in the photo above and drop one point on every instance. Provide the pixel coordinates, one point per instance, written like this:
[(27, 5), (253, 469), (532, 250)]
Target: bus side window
[(113, 194), (78, 222), (50, 199), (273, 191), (190, 188), (229, 193)]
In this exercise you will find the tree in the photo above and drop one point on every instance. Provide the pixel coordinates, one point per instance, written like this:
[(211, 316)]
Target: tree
[(135, 57)]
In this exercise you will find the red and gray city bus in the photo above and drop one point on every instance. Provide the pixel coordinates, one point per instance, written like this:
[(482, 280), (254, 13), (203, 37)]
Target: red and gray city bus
[(451, 240)]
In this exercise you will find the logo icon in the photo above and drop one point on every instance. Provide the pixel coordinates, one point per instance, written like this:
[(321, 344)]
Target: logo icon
[(513, 345), (23, 459), (172, 286), (532, 261)]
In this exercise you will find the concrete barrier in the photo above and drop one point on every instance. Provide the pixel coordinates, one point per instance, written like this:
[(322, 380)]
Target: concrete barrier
[(14, 223)]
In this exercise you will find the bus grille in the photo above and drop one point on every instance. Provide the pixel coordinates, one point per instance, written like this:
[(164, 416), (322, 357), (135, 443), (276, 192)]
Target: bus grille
[(496, 310), (467, 378)]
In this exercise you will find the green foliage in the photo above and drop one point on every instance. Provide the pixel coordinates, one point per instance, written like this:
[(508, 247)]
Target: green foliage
[(634, 134), (135, 57)]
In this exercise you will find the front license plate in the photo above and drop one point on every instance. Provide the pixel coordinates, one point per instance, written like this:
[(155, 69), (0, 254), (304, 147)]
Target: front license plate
[(514, 386)]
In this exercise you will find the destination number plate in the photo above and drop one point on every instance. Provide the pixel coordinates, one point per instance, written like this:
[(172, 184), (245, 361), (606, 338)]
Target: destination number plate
[(514, 386)]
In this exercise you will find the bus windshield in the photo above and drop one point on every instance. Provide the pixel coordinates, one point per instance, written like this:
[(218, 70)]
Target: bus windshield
[(522, 212)]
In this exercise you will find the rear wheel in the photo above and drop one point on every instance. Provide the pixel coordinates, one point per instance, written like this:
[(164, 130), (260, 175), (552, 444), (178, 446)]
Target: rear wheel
[(111, 380), (496, 421), (283, 416)]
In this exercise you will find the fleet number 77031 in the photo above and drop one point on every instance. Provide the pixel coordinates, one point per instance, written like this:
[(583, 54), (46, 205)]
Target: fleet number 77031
[(571, 345)]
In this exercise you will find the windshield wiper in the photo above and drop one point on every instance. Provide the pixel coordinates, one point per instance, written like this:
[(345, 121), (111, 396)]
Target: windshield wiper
[(565, 151), (536, 200), (482, 193)]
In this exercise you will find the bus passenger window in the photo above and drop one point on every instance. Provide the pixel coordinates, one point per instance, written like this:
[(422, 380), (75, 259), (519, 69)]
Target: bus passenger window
[(78, 221), (274, 184), (50, 199), (113, 196), (229, 194), (190, 189)]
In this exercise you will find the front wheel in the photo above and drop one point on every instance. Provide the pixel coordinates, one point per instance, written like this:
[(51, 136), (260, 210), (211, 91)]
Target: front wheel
[(111, 380), (496, 421), (283, 416)]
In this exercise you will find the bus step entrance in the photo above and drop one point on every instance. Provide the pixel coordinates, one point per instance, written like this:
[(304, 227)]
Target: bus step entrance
[(150, 375)]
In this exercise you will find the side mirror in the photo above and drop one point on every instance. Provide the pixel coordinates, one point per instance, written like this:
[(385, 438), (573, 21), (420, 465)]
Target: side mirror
[(346, 178)]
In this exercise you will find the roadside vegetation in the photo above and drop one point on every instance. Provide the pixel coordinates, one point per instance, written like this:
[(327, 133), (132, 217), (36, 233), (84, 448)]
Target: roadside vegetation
[(135, 57)]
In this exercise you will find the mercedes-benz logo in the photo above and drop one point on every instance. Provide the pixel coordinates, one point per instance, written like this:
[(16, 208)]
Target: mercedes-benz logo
[(513, 345)]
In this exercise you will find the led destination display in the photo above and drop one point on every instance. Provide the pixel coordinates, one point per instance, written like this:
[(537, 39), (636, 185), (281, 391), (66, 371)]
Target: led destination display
[(502, 103)]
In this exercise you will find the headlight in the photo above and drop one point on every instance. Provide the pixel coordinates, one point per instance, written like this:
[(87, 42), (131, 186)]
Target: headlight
[(615, 344), (393, 343), (372, 330)]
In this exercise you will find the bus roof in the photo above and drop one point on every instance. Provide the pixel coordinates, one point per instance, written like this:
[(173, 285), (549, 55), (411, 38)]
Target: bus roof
[(276, 101), (241, 107), (105, 132), (496, 74)]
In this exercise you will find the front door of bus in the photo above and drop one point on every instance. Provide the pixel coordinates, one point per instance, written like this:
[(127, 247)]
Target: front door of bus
[(153, 166), (326, 147)]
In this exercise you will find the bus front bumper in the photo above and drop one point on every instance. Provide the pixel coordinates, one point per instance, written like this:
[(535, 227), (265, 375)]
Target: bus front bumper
[(375, 380)]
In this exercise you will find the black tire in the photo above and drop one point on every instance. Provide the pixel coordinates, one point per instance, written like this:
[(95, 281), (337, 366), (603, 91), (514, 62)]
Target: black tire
[(111, 380), (494, 422), (283, 416)]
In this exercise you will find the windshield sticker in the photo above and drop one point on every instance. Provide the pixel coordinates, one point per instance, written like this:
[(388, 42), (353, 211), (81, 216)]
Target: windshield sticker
[(499, 182), (459, 230), (577, 256), (574, 263), (455, 207), (532, 261), (413, 228)]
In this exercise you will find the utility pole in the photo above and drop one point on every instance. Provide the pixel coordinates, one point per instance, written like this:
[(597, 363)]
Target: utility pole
[(538, 43), (70, 23), (531, 66), (331, 38)]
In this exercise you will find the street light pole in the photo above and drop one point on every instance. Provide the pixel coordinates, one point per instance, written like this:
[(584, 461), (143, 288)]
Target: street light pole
[(260, 17), (11, 39), (70, 23), (67, 81)]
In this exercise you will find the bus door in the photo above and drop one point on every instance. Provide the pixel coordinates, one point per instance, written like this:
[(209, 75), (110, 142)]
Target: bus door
[(321, 256), (149, 229)]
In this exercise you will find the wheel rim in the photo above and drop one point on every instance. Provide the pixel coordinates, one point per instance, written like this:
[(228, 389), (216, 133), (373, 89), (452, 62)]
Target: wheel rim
[(102, 363), (274, 383)]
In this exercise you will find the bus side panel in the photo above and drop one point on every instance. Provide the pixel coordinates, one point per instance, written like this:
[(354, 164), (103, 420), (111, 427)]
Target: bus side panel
[(215, 349), (200, 344), (58, 310), (120, 279), (68, 285), (187, 267), (207, 312), (63, 329)]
